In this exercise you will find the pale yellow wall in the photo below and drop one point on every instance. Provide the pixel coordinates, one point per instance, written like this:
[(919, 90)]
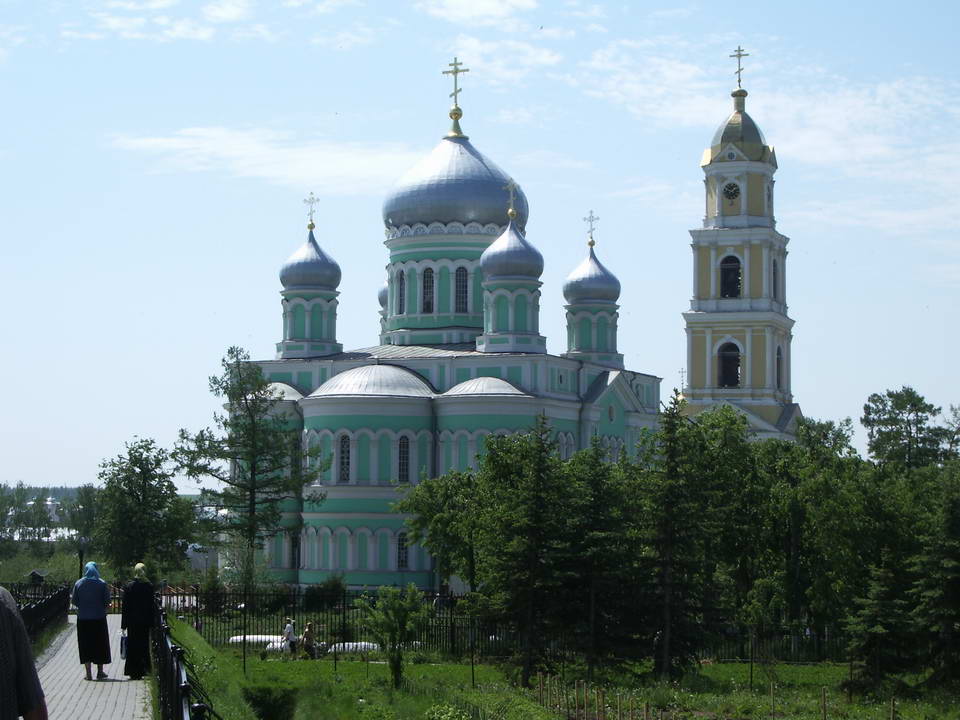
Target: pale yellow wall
[(759, 360), (726, 208), (756, 271), (703, 271), (755, 185), (770, 413), (711, 197), (696, 372)]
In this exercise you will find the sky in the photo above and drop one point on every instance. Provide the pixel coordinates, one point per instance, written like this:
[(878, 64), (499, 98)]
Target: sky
[(155, 155)]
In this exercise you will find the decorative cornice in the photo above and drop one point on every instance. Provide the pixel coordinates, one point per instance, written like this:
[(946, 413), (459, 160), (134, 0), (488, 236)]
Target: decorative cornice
[(438, 228)]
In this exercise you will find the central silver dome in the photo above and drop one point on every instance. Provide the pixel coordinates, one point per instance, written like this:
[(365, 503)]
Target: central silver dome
[(454, 183)]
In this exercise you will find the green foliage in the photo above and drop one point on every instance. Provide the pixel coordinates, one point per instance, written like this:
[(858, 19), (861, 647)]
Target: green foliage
[(900, 428), (445, 712), (254, 454), (393, 620), (272, 699), (326, 594), (140, 517)]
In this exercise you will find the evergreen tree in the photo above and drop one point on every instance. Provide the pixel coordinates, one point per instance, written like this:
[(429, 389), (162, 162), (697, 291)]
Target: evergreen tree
[(901, 430), (394, 621), (879, 628), (254, 454), (524, 543), (936, 591)]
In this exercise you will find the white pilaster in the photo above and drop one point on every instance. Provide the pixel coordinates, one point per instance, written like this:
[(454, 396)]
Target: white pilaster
[(713, 272), (768, 344), (708, 368), (767, 271)]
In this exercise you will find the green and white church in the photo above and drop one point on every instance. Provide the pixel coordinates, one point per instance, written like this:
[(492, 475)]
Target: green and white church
[(460, 357)]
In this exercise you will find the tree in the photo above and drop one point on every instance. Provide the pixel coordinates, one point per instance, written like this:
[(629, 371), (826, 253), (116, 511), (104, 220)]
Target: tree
[(394, 620), (936, 590), (524, 543), (445, 518), (254, 454), (80, 514), (900, 429), (141, 518)]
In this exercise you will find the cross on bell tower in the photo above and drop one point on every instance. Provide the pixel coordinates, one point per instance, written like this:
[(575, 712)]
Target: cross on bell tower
[(739, 54)]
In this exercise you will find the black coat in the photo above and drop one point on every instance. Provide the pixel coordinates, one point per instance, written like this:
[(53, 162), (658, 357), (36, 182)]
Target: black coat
[(138, 606)]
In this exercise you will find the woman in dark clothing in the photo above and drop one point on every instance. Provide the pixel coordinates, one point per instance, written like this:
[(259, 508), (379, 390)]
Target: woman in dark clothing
[(92, 598), (137, 620)]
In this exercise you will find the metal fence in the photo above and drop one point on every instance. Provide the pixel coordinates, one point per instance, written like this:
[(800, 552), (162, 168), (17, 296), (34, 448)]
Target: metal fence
[(40, 611), (177, 684), (777, 645)]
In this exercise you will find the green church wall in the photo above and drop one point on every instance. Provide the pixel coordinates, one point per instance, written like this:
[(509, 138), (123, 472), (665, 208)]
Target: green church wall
[(305, 380), (461, 375), (299, 321), (463, 453), (316, 325), (364, 422), (442, 378), (520, 313), (515, 375), (502, 314), (384, 458), (412, 292), (283, 377), (383, 552), (363, 456), (488, 372), (443, 294), (342, 556), (471, 423), (423, 457), (362, 552)]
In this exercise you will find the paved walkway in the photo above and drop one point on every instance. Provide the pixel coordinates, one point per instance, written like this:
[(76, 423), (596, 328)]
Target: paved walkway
[(70, 696)]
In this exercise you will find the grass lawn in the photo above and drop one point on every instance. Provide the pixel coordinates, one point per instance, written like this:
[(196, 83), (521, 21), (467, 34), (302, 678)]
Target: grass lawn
[(360, 690)]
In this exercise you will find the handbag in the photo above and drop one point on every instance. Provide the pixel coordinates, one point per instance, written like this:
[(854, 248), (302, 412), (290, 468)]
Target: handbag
[(123, 645)]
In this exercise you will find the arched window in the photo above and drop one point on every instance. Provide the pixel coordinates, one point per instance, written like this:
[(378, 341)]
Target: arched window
[(295, 551), (776, 279), (460, 290), (728, 366), (779, 369), (427, 291), (403, 555), (401, 293), (730, 277), (403, 460), (343, 475)]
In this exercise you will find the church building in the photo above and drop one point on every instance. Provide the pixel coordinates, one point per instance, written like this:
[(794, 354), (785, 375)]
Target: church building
[(460, 355)]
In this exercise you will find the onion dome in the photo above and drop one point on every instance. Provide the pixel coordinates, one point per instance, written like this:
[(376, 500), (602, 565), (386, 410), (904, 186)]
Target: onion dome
[(484, 386), (591, 281), (382, 295), (310, 267), (374, 381), (510, 255), (454, 183)]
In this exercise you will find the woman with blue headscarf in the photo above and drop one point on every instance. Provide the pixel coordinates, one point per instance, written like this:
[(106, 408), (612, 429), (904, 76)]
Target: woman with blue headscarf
[(91, 595)]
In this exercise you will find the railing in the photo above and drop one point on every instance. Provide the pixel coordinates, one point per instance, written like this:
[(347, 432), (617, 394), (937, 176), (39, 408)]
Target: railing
[(177, 683), (39, 614)]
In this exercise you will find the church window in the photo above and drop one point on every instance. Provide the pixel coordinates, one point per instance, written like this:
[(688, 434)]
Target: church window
[(779, 369), (343, 476), (730, 277), (401, 293), (460, 290), (403, 460), (427, 291), (728, 368), (403, 553), (295, 551)]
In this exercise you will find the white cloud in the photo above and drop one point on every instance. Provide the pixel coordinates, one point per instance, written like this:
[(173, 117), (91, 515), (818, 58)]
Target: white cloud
[(596, 28), (257, 31), (333, 168), (140, 4), (671, 14), (475, 12), (10, 37), (227, 11), (131, 28), (186, 30), (358, 35), (500, 62), (321, 7), (585, 10)]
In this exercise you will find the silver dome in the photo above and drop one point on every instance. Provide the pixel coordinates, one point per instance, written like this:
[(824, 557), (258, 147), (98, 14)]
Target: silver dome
[(283, 391), (310, 267), (454, 183), (382, 295), (739, 127), (375, 381), (510, 255), (484, 386), (590, 280)]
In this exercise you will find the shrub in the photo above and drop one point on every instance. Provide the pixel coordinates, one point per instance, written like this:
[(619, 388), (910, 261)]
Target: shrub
[(276, 700), (325, 595), (445, 712)]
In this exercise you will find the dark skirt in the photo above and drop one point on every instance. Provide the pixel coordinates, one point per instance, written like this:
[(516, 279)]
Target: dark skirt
[(93, 640), (138, 651)]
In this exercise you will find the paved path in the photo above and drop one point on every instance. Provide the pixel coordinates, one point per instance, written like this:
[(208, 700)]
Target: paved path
[(70, 696)]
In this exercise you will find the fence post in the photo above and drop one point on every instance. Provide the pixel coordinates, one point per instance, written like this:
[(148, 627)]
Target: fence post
[(823, 703), (893, 708), (646, 710), (773, 703)]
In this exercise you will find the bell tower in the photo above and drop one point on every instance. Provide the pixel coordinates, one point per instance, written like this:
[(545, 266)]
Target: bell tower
[(738, 331)]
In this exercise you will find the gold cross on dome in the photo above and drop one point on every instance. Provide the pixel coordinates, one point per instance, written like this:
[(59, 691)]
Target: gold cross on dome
[(311, 201), (591, 221), (456, 71), (739, 54), (511, 187)]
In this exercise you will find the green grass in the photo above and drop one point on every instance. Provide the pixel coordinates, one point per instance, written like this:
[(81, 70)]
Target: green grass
[(48, 635)]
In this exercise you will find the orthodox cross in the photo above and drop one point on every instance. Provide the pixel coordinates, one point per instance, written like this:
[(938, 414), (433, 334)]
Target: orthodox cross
[(456, 71), (592, 221), (683, 377), (738, 54), (511, 187), (311, 201)]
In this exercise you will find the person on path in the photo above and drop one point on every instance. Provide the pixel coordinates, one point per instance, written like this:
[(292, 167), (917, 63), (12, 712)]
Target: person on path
[(137, 619), (20, 691), (290, 638), (309, 641), (92, 598)]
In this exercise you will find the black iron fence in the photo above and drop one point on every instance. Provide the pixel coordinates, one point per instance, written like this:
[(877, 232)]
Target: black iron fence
[(41, 611), (787, 645), (25, 593), (180, 695)]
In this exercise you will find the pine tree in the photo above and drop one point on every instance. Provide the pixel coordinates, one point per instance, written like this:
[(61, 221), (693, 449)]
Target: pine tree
[(936, 590)]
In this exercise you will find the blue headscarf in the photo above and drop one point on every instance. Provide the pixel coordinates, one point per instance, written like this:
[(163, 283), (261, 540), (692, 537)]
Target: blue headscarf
[(90, 571)]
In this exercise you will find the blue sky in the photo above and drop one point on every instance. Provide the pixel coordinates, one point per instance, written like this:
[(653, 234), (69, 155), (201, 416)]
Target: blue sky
[(155, 154)]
